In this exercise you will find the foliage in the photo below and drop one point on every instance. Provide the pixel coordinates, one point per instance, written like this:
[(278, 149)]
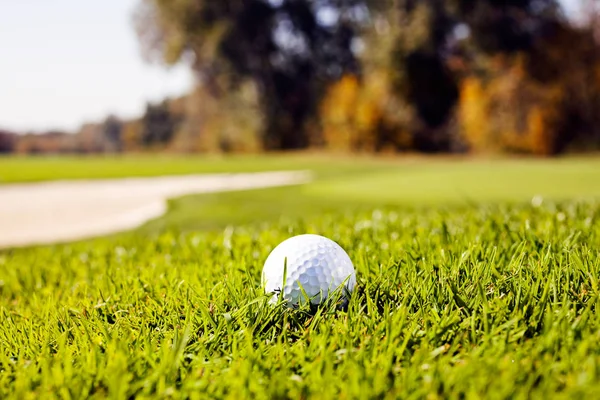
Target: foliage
[(112, 130), (131, 135), (7, 141), (362, 112), (104, 137), (347, 124), (280, 46), (540, 103), (231, 123), (159, 123), (376, 75), (53, 142), (509, 111), (364, 115), (362, 75)]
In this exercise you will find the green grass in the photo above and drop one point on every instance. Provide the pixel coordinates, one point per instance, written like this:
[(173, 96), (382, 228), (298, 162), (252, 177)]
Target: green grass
[(465, 290), (42, 168), (494, 301), (368, 183)]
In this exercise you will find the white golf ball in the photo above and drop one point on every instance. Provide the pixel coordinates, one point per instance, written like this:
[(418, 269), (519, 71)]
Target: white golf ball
[(315, 263)]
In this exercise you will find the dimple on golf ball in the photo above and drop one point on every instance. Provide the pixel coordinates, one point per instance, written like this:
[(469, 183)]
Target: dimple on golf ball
[(315, 264)]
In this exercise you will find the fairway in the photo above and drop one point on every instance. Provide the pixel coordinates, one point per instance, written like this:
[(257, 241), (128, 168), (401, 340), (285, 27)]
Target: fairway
[(408, 184), (474, 279), (471, 182), (33, 169)]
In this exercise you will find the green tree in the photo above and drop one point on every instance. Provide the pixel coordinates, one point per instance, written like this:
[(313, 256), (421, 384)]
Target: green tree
[(159, 124), (290, 49)]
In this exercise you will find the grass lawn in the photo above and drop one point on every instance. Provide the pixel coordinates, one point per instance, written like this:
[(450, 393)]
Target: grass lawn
[(466, 288), (32, 169), (363, 184)]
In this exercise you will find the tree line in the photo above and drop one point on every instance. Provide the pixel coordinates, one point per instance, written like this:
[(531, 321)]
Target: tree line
[(367, 75)]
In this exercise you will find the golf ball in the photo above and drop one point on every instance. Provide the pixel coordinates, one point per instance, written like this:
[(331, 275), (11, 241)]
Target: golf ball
[(315, 264)]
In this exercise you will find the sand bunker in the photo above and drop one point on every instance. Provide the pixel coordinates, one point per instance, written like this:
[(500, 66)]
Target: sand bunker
[(59, 211)]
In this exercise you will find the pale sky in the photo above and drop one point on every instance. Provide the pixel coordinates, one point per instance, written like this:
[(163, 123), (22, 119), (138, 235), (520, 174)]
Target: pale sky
[(65, 62)]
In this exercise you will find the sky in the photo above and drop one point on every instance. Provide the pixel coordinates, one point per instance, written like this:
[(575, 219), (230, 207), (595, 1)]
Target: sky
[(66, 62)]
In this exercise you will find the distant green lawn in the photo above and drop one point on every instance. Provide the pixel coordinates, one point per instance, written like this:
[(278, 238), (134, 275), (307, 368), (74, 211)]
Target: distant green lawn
[(466, 288), (43, 168), (443, 182), (341, 183), (411, 184)]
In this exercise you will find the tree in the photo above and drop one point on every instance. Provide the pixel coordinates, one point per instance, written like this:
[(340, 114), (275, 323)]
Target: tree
[(7, 141), (112, 129), (291, 50), (159, 124), (384, 74), (431, 34)]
